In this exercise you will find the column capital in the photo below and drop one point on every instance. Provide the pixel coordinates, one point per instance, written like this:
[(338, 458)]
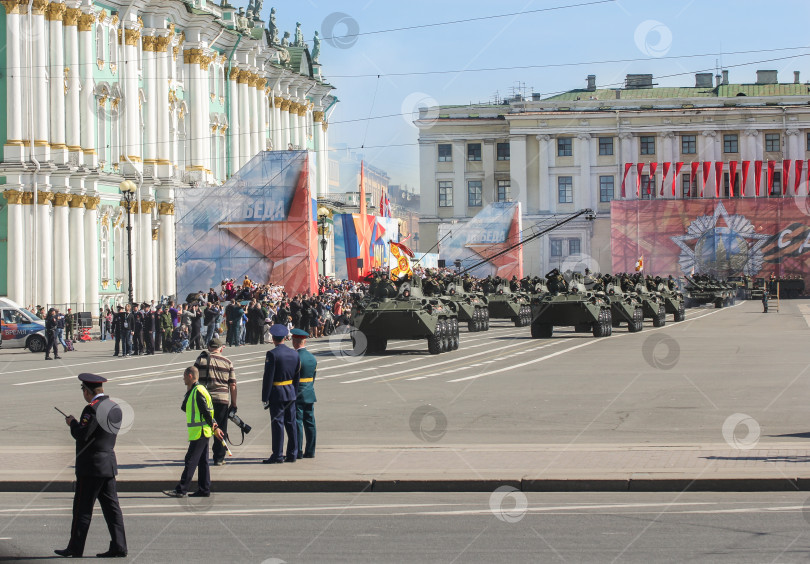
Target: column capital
[(131, 37), (285, 105), (147, 206), (71, 16), (155, 234), (86, 22), (277, 100), (162, 43), (28, 198), (44, 197), (543, 137), (13, 196), (584, 136), (77, 201), (625, 135), (668, 134), (325, 126), (752, 132), (792, 132), (166, 208), (233, 74), (91, 202), (55, 12), (133, 206), (13, 6), (709, 133), (317, 116), (149, 43), (40, 6), (244, 77), (61, 199)]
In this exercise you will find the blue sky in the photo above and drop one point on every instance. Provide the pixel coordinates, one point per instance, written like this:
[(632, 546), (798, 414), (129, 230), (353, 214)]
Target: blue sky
[(626, 29)]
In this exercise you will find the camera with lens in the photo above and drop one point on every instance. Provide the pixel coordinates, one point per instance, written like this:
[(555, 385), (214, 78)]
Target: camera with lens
[(238, 421)]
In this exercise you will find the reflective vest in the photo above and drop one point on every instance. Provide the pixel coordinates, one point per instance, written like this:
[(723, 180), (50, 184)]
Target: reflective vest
[(195, 422)]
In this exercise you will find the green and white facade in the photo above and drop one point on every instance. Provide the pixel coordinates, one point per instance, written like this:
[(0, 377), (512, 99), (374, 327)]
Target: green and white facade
[(168, 94)]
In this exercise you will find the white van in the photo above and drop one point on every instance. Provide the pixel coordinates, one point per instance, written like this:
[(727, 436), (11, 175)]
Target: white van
[(21, 327)]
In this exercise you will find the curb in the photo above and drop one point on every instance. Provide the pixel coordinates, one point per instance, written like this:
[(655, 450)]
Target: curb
[(447, 485)]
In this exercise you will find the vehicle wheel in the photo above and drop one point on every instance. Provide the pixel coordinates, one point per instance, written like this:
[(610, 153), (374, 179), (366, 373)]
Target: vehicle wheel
[(441, 332), (434, 344), (518, 321), (608, 322), (36, 344), (681, 315), (598, 325), (542, 330), (454, 340), (473, 325), (455, 326), (638, 321), (661, 320)]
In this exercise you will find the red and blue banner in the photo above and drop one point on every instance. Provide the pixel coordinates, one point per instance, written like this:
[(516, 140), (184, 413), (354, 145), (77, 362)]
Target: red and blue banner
[(362, 240)]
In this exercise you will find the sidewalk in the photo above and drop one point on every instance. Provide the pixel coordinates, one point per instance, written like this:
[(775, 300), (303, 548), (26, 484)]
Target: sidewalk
[(625, 467)]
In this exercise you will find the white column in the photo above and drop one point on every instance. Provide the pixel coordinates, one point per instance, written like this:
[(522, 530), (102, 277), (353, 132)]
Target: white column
[(16, 254), (244, 118), (87, 105), (324, 127), (233, 125), (155, 269), (197, 92), (164, 145), (57, 83), (40, 95), (286, 137), (145, 251), (166, 244), (44, 262), (76, 250), (518, 181), (132, 145), (91, 252), (278, 143), (151, 83), (295, 130), (459, 182), (583, 188), (256, 126), (61, 249), (320, 154), (261, 101), (543, 182), (14, 89), (489, 192), (73, 137)]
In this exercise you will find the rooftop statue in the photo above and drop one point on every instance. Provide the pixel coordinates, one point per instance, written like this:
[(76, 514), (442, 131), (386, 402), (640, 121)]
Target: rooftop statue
[(299, 36), (272, 28), (316, 48), (285, 41)]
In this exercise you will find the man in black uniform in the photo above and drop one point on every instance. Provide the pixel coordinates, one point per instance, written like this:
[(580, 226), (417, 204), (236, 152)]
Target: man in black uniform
[(50, 335), (148, 329), (96, 468)]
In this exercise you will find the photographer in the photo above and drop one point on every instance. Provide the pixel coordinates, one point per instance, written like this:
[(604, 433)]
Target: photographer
[(218, 377)]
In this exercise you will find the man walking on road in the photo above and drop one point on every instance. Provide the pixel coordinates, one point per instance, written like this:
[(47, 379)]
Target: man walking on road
[(305, 401), (282, 369), (217, 375)]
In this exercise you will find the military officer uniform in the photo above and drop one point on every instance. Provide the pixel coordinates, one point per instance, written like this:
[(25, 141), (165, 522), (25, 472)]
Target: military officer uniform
[(305, 401), (96, 467), (282, 370)]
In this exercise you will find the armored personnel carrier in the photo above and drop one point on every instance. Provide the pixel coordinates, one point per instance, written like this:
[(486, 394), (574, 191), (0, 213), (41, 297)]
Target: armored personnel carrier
[(652, 303), (674, 301), (401, 311), (470, 306), (503, 303), (570, 304), (702, 289), (625, 307)]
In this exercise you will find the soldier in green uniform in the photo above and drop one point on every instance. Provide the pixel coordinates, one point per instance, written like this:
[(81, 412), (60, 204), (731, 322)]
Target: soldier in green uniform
[(305, 400), (167, 326), (69, 324)]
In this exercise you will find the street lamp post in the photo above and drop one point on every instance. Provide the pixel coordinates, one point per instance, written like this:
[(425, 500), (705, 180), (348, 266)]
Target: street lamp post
[(128, 189), (323, 213)]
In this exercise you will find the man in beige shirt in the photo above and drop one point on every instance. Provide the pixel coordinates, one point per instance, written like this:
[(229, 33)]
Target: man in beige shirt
[(218, 377)]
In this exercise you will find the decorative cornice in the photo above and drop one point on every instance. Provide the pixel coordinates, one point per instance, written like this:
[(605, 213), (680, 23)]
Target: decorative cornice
[(13, 196), (166, 208)]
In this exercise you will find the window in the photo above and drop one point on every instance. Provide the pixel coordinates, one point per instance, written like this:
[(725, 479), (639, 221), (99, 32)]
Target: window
[(730, 144), (503, 191), (101, 143), (777, 184), (605, 188), (113, 35), (772, 142), (688, 145), (100, 44), (687, 189), (647, 144), (445, 153), (503, 151), (556, 247), (445, 194), (574, 247), (645, 179), (565, 147), (474, 189), (104, 251), (606, 145), (212, 79), (727, 192), (565, 189), (474, 151)]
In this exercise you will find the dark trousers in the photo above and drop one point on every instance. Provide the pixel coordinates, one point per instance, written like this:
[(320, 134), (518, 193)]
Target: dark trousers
[(233, 334), (122, 341), (210, 334), (282, 418), (221, 417), (138, 342), (195, 340), (88, 489), (149, 342), (50, 343), (158, 341), (167, 341), (196, 459), (305, 417)]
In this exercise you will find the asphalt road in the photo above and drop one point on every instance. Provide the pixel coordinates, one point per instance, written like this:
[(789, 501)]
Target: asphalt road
[(671, 385), (428, 528)]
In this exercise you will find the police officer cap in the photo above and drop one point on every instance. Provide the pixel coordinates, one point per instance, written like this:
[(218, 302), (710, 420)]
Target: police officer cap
[(89, 378), (299, 333), (279, 330), (215, 343)]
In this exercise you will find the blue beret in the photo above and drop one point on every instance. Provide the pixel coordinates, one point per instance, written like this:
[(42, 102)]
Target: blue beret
[(279, 330), (89, 378), (299, 333)]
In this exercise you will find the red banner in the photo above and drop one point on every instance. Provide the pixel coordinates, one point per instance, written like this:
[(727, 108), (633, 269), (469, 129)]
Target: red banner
[(651, 177), (718, 178), (664, 177), (725, 237), (678, 167), (707, 167), (732, 175), (693, 179), (798, 182), (639, 172), (746, 165), (627, 167), (785, 176), (757, 175), (771, 168)]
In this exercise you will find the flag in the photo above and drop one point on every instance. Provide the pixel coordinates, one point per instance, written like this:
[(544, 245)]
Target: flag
[(640, 170), (707, 167), (385, 206), (718, 178), (693, 178), (785, 176), (640, 264), (651, 177), (664, 177), (771, 169), (400, 254), (627, 167), (678, 167), (732, 176), (757, 175), (746, 166), (798, 182)]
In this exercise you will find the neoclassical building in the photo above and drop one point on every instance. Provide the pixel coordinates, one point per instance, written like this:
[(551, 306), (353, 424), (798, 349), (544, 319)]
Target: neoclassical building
[(166, 93), (574, 150)]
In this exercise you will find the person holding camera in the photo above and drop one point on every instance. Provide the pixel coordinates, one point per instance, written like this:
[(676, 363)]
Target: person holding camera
[(218, 377)]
